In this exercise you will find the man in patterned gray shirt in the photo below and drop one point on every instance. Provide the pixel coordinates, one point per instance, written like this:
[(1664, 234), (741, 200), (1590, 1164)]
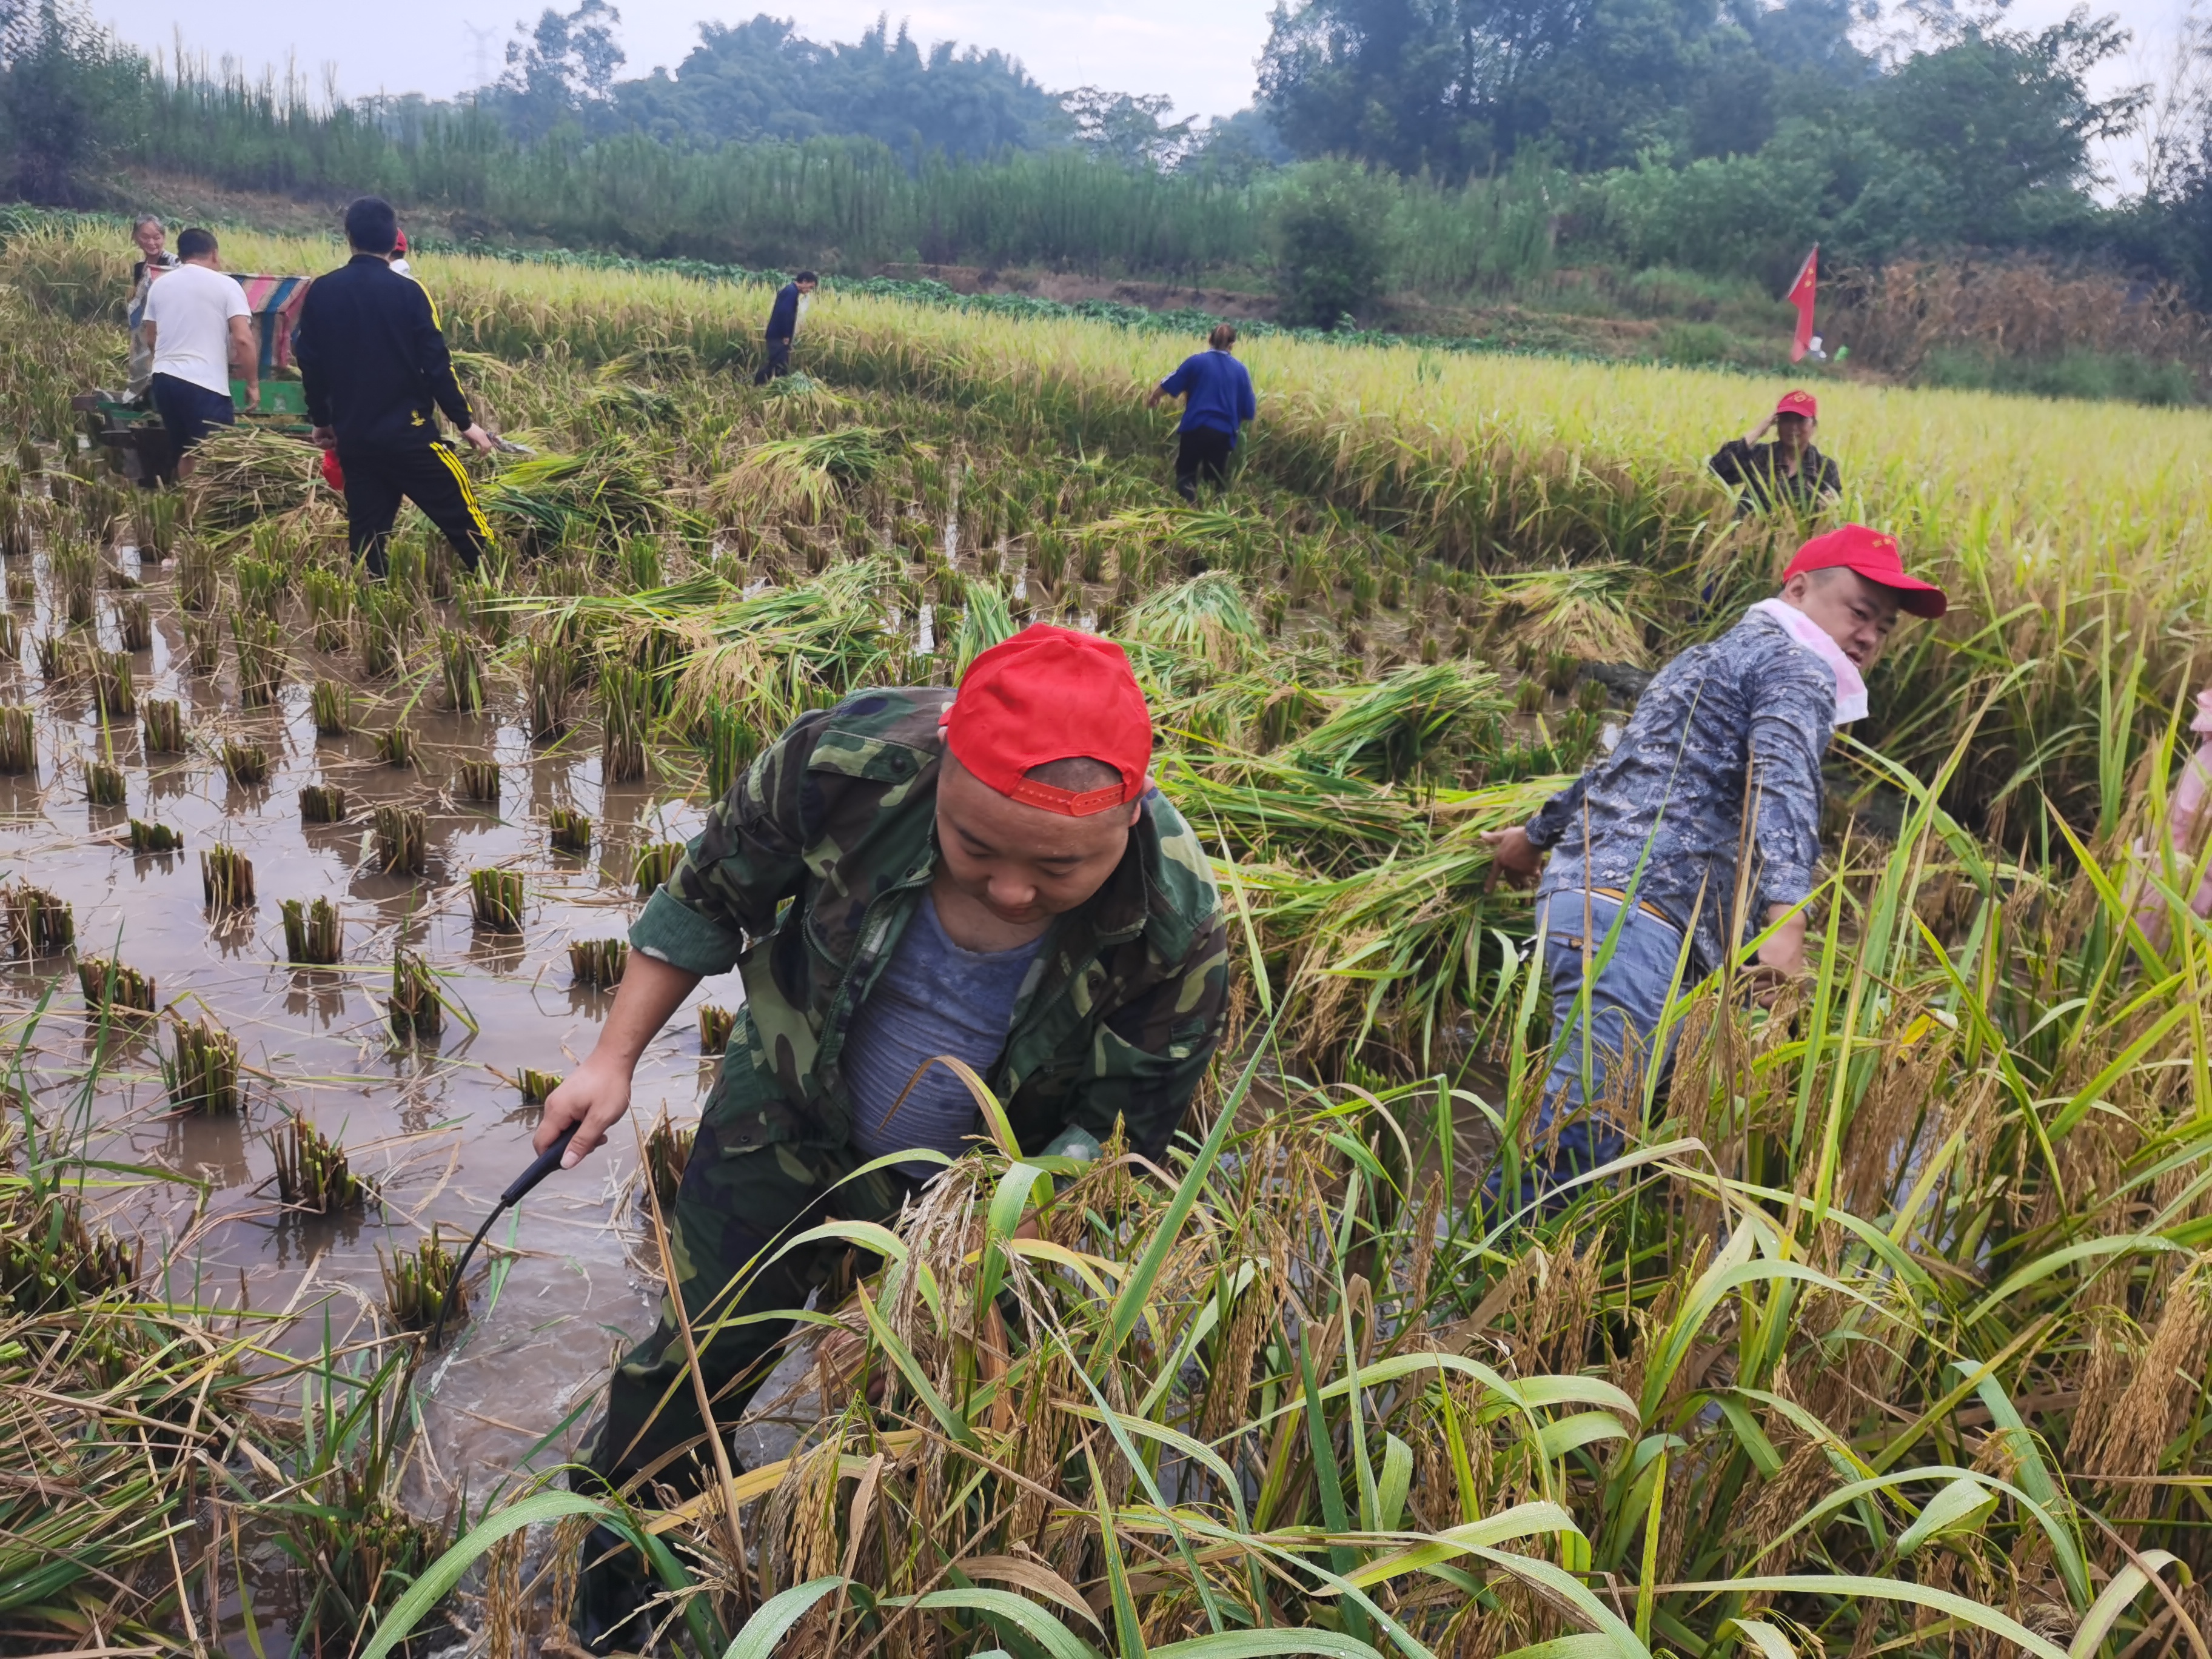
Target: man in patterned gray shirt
[(1700, 832)]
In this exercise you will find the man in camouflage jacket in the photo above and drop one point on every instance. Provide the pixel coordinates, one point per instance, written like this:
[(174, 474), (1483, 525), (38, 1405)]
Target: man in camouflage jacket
[(808, 876)]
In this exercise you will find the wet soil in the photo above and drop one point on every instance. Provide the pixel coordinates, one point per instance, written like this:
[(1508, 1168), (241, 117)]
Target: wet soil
[(438, 1126)]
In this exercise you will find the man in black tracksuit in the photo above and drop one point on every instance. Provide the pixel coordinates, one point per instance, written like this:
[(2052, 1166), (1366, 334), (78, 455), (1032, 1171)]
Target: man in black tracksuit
[(782, 325), (375, 369)]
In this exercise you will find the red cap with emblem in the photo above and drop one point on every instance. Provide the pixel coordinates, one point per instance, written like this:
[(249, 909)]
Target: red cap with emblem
[(1051, 694), (1875, 556), (1799, 403)]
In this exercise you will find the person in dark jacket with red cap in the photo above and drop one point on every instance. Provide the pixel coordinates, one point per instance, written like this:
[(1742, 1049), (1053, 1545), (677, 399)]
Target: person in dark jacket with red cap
[(1696, 838), (1789, 469), (989, 875)]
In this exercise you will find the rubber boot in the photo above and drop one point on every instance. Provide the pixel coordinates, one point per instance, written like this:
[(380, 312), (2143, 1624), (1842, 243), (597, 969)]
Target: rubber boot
[(612, 1589)]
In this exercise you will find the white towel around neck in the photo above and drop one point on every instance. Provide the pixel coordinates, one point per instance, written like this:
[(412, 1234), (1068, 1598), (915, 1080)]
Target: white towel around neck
[(1850, 689)]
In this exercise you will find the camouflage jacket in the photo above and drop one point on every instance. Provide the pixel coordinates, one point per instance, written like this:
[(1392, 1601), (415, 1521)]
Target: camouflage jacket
[(808, 870)]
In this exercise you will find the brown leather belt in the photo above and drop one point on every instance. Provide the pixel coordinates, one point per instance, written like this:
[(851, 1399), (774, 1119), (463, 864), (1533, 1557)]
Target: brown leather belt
[(1644, 905)]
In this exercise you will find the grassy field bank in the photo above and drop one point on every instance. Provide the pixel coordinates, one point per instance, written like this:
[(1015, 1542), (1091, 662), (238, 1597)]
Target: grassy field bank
[(1890, 1334)]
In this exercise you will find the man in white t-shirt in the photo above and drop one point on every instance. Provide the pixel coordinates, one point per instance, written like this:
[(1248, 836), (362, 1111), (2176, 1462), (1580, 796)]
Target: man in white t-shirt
[(199, 329)]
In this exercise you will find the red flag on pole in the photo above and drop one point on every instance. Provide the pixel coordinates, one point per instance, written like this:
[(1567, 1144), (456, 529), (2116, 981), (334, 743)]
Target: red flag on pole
[(1802, 293)]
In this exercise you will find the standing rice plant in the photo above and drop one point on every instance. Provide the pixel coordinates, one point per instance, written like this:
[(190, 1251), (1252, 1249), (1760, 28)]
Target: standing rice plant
[(104, 784), (21, 587), (407, 561), (203, 643), (246, 764), (226, 880), (549, 668), (37, 924), (155, 518), (667, 1147), (439, 570), (257, 645), (113, 693), (261, 584), (569, 830), (416, 1009), (478, 780), (460, 659), (625, 701), (112, 985), (322, 803), (330, 702), (536, 1086), (134, 622), (731, 741), (496, 899), (19, 740), (330, 597), (199, 576), (162, 723), (61, 659), (420, 1287), (396, 746), (313, 1172), (74, 566), (715, 1025), (16, 539), (11, 638), (147, 838), (654, 863), (403, 840), (313, 934), (200, 1071), (478, 606), (598, 963), (638, 565), (384, 622)]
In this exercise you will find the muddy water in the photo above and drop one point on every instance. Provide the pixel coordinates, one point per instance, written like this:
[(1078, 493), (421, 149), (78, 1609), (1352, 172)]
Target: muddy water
[(440, 1127)]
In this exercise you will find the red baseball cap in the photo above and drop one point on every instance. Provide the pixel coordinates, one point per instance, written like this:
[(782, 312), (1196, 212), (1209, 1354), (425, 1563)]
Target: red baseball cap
[(1799, 403), (1051, 694), (1875, 556)]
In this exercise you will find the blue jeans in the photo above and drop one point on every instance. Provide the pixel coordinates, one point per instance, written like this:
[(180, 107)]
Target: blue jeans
[(1610, 1038)]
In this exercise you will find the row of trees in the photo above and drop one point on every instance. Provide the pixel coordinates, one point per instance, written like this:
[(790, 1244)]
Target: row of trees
[(1719, 136)]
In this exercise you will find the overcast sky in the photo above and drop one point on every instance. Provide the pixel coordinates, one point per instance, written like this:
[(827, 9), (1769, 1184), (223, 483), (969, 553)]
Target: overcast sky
[(1200, 54)]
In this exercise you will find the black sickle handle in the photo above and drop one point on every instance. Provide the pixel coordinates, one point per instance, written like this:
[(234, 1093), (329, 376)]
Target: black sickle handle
[(547, 1162)]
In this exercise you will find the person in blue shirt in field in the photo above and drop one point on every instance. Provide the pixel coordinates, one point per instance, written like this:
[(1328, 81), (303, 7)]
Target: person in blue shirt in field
[(1217, 399)]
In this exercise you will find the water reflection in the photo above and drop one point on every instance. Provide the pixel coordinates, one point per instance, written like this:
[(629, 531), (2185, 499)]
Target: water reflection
[(438, 1122), (208, 1146), (316, 996)]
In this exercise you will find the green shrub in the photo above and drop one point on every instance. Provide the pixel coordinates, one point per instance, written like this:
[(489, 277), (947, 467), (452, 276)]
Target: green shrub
[(2111, 376), (1695, 342), (1330, 230)]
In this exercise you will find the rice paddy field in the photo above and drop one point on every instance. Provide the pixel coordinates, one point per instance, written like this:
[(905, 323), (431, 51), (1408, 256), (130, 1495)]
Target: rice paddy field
[(1890, 1334)]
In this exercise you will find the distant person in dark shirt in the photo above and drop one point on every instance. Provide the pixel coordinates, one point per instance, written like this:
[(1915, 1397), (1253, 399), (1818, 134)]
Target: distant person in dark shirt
[(1217, 394), (783, 324), (375, 369), (1787, 470)]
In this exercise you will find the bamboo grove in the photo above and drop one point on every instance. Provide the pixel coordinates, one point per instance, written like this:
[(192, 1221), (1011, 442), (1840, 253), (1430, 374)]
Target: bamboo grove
[(1889, 1334)]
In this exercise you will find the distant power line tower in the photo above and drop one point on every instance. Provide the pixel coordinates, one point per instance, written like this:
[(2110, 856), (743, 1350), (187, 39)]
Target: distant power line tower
[(480, 53)]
